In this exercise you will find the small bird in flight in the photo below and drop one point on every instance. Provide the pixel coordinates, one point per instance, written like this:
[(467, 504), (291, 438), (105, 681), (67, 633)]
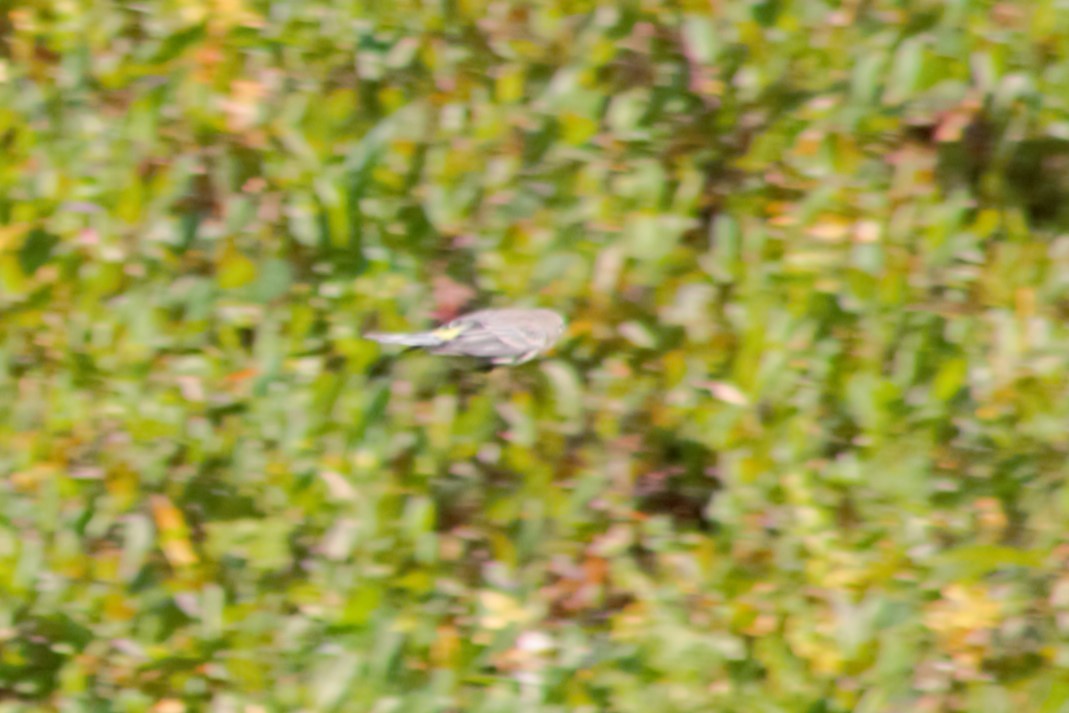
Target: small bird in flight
[(499, 336)]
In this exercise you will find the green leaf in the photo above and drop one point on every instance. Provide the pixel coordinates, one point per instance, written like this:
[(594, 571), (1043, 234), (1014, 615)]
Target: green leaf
[(273, 281), (36, 250)]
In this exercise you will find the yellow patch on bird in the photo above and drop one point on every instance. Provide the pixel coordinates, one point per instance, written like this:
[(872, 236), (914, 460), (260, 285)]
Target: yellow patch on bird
[(448, 333)]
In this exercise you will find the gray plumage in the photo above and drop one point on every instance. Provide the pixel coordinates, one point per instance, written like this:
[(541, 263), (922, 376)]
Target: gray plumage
[(500, 336)]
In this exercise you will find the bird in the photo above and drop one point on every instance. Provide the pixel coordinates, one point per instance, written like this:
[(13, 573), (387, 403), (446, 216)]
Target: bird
[(506, 336)]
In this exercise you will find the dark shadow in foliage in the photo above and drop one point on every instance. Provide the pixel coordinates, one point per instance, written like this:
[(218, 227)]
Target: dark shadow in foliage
[(1033, 173), (1018, 651), (7, 30), (1037, 177), (211, 498), (36, 250), (680, 484), (824, 705), (34, 657)]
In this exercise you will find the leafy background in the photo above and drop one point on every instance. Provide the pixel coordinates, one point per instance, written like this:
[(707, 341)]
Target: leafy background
[(803, 448)]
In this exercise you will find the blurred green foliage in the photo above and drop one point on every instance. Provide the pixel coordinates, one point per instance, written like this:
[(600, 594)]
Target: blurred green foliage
[(804, 448)]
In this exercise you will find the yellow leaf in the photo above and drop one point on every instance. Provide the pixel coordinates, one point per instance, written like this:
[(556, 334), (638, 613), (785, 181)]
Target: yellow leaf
[(235, 270), (509, 85), (501, 611), (831, 228), (174, 533)]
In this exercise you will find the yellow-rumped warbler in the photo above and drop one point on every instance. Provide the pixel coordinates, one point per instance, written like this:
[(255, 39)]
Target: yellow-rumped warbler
[(500, 336)]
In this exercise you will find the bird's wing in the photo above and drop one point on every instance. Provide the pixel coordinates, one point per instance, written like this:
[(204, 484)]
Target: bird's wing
[(511, 336)]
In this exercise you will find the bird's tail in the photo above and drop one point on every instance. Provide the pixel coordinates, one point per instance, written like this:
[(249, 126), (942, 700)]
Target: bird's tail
[(413, 339)]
